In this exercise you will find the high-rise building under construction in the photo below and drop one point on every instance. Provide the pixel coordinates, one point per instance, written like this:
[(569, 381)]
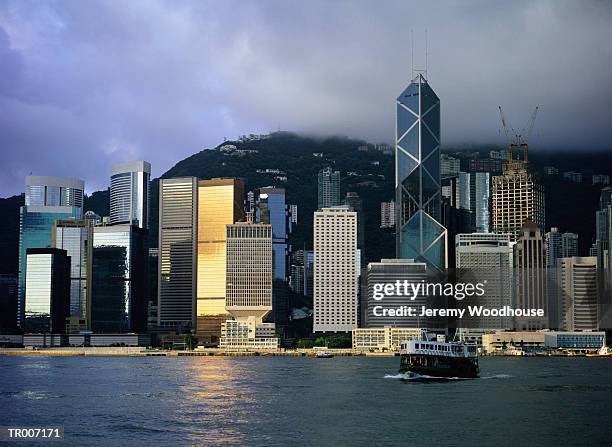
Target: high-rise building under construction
[(517, 197)]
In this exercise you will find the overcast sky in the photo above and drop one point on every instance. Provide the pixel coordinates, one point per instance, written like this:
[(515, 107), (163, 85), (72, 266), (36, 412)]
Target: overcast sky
[(86, 84)]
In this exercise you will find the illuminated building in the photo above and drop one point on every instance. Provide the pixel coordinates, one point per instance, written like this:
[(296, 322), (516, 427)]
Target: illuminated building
[(220, 203), (47, 298), (516, 198)]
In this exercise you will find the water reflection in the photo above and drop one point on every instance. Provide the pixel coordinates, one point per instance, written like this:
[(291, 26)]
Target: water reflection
[(219, 400)]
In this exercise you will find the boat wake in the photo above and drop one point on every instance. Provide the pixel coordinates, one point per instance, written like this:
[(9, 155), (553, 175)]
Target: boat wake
[(412, 377)]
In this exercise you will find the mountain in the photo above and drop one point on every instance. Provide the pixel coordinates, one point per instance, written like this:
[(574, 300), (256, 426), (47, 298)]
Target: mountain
[(370, 173)]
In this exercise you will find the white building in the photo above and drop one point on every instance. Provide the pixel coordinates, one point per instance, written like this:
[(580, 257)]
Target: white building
[(578, 287), (335, 270), (129, 193), (383, 338)]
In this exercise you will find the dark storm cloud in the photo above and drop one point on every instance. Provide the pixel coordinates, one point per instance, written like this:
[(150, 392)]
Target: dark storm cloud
[(84, 85)]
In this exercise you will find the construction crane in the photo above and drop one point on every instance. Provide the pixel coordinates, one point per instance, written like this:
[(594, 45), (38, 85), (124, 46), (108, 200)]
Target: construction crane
[(516, 139)]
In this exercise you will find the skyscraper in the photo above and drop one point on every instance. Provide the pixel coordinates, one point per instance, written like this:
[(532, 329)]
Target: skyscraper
[(579, 291), (516, 198), (54, 191), (118, 301), (129, 194), (76, 237), (387, 214), (531, 279), (220, 203), (487, 258), (47, 298), (335, 270), (249, 286), (249, 269), (480, 198), (329, 188), (354, 202), (419, 233), (47, 199), (553, 247), (178, 244), (272, 209), (388, 271), (569, 245)]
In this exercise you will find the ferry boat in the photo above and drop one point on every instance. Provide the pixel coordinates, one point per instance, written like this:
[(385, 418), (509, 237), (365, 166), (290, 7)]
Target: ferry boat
[(324, 355), (439, 359), (604, 351)]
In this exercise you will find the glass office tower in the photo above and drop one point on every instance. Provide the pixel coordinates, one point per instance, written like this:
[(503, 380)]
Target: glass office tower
[(220, 203), (129, 194), (420, 235), (272, 209), (47, 299), (76, 237), (118, 279), (178, 238), (329, 188), (47, 199), (35, 230)]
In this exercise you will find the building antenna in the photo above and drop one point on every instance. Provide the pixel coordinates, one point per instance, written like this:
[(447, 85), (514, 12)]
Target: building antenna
[(426, 48), (412, 53)]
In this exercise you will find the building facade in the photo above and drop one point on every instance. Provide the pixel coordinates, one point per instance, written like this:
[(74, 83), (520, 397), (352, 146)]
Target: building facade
[(383, 339), (47, 299), (76, 237), (249, 287), (177, 256), (419, 233), (480, 200), (335, 270), (35, 231), (531, 278), (487, 258), (119, 279), (569, 245), (553, 247), (129, 194), (354, 202), (388, 271), (220, 203), (329, 188), (387, 214), (516, 198), (54, 191), (579, 293)]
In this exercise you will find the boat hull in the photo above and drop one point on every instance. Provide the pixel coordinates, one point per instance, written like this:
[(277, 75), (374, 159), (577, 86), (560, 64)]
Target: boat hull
[(439, 366)]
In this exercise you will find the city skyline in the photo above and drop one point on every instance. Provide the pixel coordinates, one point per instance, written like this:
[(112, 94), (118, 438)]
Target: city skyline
[(90, 113)]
